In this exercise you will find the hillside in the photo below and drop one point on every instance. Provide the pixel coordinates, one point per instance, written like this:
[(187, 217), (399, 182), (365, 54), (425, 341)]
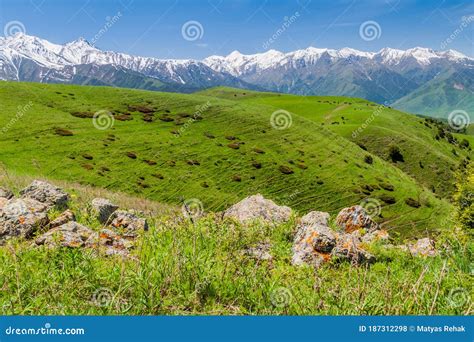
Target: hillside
[(430, 161), (174, 147)]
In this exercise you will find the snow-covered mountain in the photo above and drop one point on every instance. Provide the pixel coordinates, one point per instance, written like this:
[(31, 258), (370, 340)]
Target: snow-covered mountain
[(28, 58), (387, 76)]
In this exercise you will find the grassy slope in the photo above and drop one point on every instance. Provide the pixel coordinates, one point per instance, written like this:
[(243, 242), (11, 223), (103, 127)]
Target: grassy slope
[(333, 178), (200, 269), (431, 162)]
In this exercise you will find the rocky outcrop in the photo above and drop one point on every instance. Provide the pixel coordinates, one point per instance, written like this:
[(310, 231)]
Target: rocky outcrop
[(103, 209), (314, 240), (354, 218), (21, 218), (348, 248), (128, 223), (65, 217), (46, 193), (257, 208), (71, 234)]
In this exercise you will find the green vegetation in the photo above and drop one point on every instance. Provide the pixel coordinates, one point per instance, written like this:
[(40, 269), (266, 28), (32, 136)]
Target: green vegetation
[(309, 166), (184, 268)]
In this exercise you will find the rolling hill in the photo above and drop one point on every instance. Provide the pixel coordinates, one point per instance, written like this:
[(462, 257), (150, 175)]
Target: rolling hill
[(176, 147)]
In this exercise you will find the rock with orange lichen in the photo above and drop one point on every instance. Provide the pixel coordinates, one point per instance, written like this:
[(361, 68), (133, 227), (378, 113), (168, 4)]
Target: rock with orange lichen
[(256, 208), (64, 218), (71, 234), (314, 240), (21, 218), (354, 218), (128, 223), (46, 193), (349, 248), (376, 236), (109, 242)]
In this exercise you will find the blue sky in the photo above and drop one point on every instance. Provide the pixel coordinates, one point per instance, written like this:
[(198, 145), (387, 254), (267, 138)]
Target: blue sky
[(154, 28)]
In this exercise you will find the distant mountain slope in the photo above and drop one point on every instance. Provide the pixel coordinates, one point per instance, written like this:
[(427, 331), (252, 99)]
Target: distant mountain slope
[(176, 147), (418, 80), (431, 160)]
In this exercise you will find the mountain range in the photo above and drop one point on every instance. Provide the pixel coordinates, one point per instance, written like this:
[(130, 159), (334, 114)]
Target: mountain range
[(418, 80)]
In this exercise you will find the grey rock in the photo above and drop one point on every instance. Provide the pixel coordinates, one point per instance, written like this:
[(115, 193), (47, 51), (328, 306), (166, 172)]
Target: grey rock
[(46, 193), (349, 248), (424, 247), (64, 218), (260, 252), (71, 234), (21, 218), (314, 240), (103, 209), (376, 236), (354, 218), (256, 207), (128, 223), (5, 193)]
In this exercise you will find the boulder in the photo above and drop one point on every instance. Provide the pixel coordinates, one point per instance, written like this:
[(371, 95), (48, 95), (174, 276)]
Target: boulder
[(109, 239), (376, 236), (71, 234), (64, 218), (103, 208), (354, 218), (5, 193), (423, 247), (256, 207), (349, 248), (314, 240), (260, 252), (21, 218), (46, 193), (128, 223)]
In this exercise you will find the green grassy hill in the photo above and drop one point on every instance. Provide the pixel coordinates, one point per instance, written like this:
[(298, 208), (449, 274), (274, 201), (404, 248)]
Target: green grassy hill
[(430, 161), (175, 147)]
